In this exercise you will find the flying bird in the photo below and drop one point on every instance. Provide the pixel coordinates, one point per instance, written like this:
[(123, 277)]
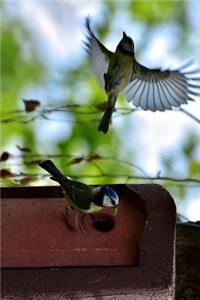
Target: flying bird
[(82, 197), (150, 89)]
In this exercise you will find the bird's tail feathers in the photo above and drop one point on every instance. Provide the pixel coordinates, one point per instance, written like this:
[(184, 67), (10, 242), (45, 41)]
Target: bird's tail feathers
[(106, 119), (49, 166)]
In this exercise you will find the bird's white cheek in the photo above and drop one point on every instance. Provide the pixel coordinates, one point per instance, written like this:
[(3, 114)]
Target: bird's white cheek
[(106, 201), (117, 201)]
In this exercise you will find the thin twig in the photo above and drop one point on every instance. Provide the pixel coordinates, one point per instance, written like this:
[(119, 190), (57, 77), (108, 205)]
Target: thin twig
[(21, 116), (115, 176), (187, 113)]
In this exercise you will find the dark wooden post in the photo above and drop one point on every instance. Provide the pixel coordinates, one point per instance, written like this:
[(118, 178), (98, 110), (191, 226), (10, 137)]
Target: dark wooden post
[(188, 261)]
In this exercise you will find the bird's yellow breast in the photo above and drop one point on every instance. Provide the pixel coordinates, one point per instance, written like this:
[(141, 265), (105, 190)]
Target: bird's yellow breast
[(93, 208)]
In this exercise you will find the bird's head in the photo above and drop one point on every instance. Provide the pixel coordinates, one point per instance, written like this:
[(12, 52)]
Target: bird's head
[(126, 44), (109, 197)]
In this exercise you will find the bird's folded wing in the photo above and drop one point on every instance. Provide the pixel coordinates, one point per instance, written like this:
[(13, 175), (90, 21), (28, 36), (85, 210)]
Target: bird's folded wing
[(98, 55), (81, 194), (155, 89)]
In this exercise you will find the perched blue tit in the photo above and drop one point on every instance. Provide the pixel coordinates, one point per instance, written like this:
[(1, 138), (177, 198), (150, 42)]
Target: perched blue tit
[(82, 197), (150, 89)]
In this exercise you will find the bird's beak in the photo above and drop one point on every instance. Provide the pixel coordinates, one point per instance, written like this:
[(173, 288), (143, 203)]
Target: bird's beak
[(114, 211), (124, 35)]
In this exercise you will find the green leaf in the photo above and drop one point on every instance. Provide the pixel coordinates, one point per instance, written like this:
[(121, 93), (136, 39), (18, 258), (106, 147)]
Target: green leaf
[(194, 168)]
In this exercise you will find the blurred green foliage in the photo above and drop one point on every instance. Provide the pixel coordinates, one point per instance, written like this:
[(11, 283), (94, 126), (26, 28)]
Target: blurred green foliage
[(155, 12), (18, 70), (22, 67)]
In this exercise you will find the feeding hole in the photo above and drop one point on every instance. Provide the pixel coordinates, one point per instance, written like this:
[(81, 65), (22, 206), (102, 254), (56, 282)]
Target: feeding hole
[(103, 222)]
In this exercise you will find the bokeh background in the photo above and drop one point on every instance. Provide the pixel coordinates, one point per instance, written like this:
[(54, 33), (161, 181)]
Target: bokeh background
[(43, 59)]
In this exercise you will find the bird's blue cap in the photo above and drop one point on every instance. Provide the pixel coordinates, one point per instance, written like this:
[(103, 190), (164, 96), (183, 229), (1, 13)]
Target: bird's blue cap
[(109, 192)]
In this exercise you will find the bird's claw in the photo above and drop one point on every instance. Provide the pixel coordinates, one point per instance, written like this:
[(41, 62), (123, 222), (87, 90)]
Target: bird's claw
[(79, 222), (66, 219)]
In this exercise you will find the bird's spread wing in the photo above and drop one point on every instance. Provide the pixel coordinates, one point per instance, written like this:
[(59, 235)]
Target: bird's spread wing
[(155, 89), (98, 55)]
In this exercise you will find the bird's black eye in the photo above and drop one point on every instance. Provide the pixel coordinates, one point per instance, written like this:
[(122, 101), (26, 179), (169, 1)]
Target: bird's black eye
[(129, 40), (113, 202)]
